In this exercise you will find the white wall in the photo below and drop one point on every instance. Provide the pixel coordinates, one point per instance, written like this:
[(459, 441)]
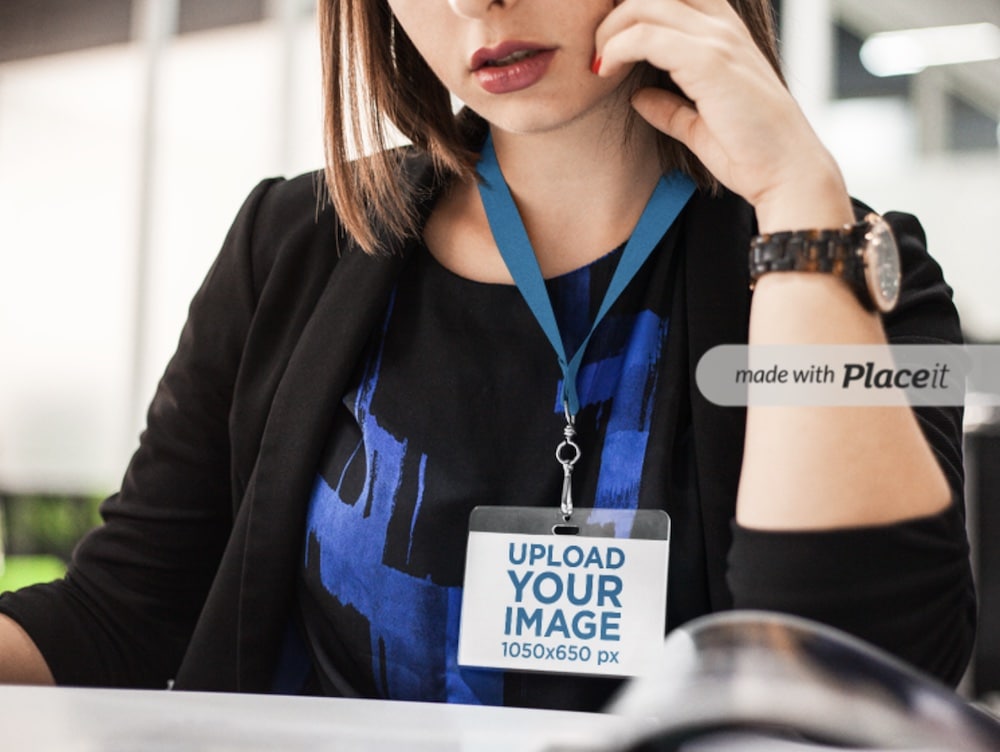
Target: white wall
[(70, 129)]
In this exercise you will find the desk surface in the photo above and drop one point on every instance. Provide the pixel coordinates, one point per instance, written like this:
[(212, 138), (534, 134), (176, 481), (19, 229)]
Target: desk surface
[(45, 719)]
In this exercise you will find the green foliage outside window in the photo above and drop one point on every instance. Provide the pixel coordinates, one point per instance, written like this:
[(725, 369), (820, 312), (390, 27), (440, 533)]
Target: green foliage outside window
[(38, 533)]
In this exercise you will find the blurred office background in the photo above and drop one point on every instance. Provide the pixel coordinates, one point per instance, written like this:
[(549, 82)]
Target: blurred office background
[(131, 130)]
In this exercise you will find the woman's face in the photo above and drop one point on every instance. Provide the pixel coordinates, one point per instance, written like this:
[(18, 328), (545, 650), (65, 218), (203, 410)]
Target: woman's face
[(523, 65)]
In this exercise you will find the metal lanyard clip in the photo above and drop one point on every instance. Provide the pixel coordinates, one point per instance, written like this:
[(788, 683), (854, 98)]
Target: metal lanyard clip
[(567, 453)]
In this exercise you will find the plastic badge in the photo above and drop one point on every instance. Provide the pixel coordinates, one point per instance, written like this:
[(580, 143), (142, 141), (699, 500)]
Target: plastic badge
[(583, 596)]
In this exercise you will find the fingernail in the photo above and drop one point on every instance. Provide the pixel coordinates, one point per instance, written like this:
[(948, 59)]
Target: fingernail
[(595, 64)]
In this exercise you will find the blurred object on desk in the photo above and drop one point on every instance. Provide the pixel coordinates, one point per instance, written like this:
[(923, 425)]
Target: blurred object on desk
[(803, 683)]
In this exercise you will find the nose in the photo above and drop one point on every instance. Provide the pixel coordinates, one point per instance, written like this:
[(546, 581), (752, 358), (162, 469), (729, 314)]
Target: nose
[(477, 8)]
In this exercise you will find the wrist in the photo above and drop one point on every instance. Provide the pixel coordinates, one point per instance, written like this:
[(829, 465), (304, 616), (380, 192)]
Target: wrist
[(817, 199), (863, 255)]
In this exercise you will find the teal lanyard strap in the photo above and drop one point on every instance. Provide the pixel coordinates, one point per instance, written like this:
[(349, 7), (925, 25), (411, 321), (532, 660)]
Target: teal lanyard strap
[(670, 196)]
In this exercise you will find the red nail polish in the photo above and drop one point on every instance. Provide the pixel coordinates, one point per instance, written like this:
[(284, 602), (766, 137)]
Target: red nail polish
[(595, 65)]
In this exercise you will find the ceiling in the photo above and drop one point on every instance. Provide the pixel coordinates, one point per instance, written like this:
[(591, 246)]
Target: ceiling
[(978, 83)]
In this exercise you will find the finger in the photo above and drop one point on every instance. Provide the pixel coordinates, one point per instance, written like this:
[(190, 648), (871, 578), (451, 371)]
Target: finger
[(693, 16), (664, 47), (667, 13), (668, 112), (631, 29)]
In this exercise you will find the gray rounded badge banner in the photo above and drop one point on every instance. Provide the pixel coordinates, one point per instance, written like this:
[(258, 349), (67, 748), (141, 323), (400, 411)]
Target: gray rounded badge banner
[(848, 375)]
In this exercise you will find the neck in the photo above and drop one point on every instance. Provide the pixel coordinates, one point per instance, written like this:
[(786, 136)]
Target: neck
[(580, 190)]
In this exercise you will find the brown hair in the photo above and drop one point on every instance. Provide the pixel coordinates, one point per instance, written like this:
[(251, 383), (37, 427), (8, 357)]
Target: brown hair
[(374, 78)]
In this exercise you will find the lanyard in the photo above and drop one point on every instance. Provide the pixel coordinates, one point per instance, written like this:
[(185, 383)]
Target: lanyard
[(669, 198)]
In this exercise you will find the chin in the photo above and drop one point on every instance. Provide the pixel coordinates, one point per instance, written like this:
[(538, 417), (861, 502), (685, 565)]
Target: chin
[(539, 119)]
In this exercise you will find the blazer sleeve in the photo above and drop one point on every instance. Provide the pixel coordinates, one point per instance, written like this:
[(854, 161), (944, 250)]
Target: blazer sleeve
[(124, 612), (905, 587)]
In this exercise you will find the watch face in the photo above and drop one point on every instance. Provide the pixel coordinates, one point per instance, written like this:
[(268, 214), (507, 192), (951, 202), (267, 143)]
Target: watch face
[(882, 268)]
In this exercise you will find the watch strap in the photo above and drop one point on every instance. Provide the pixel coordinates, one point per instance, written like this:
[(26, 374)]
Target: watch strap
[(834, 251)]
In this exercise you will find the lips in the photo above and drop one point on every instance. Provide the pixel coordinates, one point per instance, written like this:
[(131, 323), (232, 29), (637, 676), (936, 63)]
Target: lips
[(505, 53), (511, 66)]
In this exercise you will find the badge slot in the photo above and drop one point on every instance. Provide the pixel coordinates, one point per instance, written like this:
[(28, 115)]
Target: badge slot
[(565, 529)]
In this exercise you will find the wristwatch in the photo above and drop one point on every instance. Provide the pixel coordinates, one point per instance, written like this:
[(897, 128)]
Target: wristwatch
[(864, 255)]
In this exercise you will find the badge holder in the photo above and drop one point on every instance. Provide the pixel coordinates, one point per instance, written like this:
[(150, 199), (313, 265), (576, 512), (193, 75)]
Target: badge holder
[(564, 589)]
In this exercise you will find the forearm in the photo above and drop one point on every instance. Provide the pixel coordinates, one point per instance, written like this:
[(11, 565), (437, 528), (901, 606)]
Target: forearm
[(808, 467), (20, 660)]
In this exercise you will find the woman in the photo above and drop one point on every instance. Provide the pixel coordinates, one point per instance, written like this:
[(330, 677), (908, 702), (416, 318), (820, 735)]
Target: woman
[(351, 384)]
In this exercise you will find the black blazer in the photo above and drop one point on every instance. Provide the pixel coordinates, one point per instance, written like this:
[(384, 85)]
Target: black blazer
[(193, 575)]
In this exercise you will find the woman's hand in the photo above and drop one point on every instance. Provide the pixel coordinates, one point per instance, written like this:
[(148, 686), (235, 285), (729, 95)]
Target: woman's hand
[(739, 119)]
